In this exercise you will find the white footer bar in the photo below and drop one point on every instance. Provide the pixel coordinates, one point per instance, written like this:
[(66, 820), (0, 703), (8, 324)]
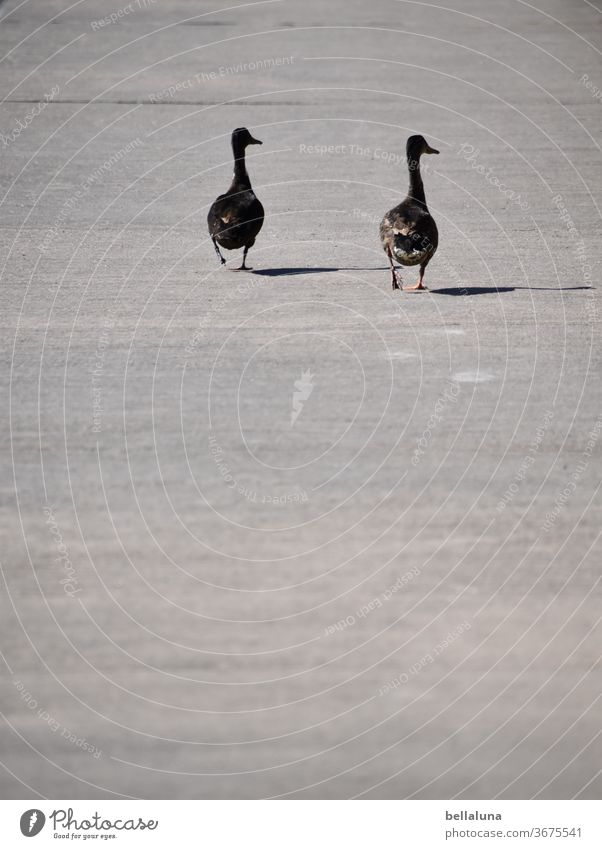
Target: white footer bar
[(302, 824)]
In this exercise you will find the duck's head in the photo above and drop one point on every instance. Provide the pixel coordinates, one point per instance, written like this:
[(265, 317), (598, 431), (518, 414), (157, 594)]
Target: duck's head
[(241, 138), (416, 146)]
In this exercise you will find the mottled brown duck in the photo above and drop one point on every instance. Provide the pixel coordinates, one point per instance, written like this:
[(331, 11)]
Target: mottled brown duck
[(408, 232)]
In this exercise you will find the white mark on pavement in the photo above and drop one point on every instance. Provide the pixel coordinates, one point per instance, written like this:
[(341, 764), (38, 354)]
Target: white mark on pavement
[(398, 355), (473, 376)]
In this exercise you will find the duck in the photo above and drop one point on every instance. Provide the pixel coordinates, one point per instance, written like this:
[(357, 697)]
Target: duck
[(236, 217), (408, 231)]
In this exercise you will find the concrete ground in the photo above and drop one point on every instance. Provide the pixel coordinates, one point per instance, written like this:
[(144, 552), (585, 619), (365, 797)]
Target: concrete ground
[(288, 533)]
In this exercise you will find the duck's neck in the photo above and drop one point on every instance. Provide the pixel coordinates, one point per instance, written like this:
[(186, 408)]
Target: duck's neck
[(240, 178), (416, 187)]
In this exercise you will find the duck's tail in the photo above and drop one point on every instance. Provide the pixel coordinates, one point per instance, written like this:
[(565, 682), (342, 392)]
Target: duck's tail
[(408, 248)]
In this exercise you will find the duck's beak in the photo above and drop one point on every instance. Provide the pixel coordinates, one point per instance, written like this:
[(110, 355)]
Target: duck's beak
[(254, 141), (430, 149)]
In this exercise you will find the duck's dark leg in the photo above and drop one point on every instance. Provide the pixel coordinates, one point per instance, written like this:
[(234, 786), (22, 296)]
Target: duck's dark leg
[(394, 278), (419, 285), (217, 251), (244, 267)]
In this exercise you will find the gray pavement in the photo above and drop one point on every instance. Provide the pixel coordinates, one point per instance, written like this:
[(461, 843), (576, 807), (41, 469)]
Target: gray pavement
[(393, 593)]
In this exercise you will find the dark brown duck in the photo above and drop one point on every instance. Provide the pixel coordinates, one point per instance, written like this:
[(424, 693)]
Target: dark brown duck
[(236, 217), (408, 232)]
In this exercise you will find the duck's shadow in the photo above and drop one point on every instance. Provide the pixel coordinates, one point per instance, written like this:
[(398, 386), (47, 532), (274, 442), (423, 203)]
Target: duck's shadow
[(462, 291), (492, 290), (287, 272)]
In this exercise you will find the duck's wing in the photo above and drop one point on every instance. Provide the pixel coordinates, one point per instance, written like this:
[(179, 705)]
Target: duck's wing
[(407, 219), (219, 214), (399, 221)]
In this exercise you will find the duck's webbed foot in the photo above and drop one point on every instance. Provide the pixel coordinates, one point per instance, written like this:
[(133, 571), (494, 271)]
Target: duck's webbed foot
[(218, 252), (420, 284)]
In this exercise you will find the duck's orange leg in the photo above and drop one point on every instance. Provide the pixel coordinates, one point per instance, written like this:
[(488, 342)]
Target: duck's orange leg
[(418, 285)]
